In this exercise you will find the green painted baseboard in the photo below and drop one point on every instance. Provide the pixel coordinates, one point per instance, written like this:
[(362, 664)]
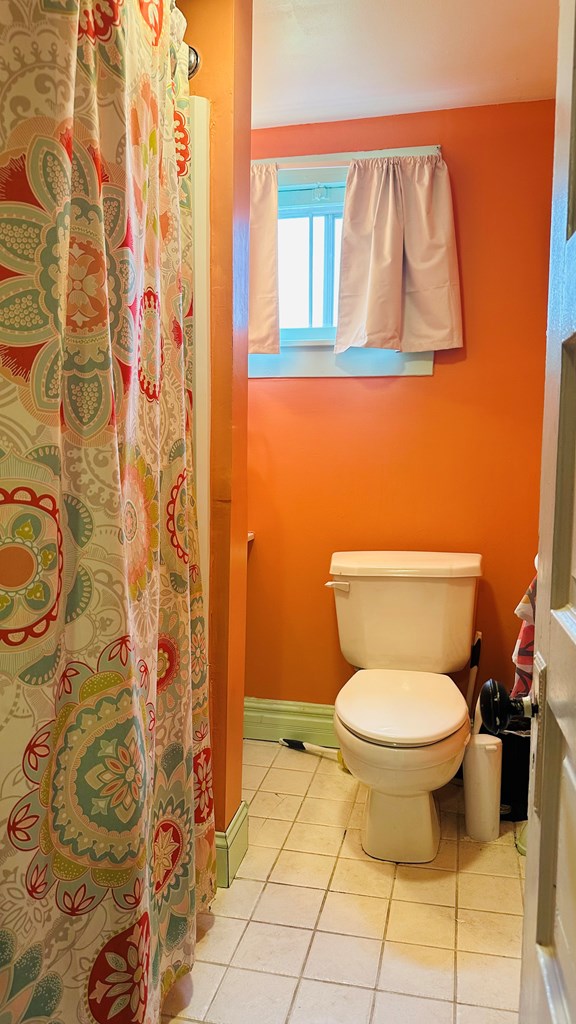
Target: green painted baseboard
[(288, 719), (231, 846)]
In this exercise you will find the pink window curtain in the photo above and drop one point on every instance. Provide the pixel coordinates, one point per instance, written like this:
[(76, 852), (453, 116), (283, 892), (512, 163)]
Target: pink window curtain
[(399, 286), (263, 320)]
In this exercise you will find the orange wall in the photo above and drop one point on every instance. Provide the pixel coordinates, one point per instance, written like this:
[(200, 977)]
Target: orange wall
[(222, 33), (449, 462)]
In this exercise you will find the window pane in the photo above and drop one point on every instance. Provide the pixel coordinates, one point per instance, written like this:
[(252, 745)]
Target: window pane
[(337, 252), (318, 271), (294, 271)]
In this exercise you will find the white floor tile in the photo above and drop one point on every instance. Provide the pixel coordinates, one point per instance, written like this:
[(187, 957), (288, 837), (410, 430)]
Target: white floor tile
[(325, 812), (308, 869), (306, 838), (348, 914), (252, 775), (446, 859), (449, 825), (239, 900), (422, 885), (170, 1019), (502, 895), (343, 958), (286, 780), (217, 938), (329, 765), (257, 863), (274, 948), (422, 923), (390, 1008), (488, 859), (356, 819), (506, 837), (352, 846), (275, 805), (319, 1002), (260, 752), (271, 833), (417, 970), (246, 996), (334, 787), (254, 826), (299, 760), (484, 980), (480, 1015), (191, 996), (248, 795), (289, 904), (481, 932), (363, 878)]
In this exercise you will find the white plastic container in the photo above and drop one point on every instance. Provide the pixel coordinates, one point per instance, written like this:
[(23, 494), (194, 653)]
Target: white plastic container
[(482, 780)]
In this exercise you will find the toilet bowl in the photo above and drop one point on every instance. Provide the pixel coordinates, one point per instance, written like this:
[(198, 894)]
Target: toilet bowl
[(403, 734), (405, 619)]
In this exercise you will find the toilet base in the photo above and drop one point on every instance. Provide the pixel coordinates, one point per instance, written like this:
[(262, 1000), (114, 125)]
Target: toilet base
[(401, 828)]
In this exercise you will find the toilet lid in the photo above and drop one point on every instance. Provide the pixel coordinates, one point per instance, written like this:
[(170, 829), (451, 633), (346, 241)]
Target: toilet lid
[(397, 708)]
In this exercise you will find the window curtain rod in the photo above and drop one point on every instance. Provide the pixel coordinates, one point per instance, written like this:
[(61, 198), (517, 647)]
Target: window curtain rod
[(342, 159)]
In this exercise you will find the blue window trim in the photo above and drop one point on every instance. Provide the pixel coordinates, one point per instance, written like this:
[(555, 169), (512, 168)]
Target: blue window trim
[(322, 361), (308, 335)]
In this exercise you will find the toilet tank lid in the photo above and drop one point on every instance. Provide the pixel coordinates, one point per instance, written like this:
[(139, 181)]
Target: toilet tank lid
[(405, 563)]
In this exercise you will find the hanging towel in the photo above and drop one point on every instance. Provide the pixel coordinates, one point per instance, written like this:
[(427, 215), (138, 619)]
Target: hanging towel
[(523, 656)]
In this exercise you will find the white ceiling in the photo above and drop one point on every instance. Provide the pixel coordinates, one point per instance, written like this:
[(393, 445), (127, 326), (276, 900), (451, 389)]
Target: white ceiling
[(326, 60)]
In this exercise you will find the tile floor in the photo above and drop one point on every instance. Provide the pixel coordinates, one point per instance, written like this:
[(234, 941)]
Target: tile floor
[(314, 932)]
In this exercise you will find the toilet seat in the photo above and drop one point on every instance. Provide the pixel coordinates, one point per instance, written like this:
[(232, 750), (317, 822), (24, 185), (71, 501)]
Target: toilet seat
[(393, 708)]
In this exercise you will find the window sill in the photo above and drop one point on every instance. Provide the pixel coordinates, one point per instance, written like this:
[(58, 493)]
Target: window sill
[(321, 361)]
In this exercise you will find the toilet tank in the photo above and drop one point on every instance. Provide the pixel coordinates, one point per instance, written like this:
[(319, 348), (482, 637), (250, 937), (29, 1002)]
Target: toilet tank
[(405, 609)]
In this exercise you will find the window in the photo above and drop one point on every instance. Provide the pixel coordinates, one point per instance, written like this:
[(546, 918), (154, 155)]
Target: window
[(309, 244), (310, 207)]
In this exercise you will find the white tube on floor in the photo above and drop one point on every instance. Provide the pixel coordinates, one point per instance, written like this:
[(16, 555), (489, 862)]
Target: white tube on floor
[(482, 779)]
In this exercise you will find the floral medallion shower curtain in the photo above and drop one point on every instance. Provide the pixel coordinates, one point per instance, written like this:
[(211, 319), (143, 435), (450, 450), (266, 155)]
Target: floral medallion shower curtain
[(107, 838)]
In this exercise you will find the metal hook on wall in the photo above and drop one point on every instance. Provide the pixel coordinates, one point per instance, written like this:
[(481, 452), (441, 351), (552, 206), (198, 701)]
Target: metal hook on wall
[(193, 62)]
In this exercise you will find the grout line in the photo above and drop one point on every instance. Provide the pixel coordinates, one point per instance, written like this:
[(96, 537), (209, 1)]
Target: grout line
[(226, 966), (456, 909), (315, 930), (298, 986), (216, 991)]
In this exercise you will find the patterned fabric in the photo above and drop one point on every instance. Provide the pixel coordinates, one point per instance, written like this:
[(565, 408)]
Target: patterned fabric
[(523, 656), (107, 831)]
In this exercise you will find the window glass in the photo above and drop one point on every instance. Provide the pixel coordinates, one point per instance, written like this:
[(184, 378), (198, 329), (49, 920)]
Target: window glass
[(318, 232), (294, 271), (337, 254)]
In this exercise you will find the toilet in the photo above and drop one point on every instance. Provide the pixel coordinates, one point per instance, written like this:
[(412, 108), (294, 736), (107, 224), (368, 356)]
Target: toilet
[(405, 620)]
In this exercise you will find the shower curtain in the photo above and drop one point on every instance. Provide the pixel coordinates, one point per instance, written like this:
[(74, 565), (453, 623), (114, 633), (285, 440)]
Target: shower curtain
[(107, 831)]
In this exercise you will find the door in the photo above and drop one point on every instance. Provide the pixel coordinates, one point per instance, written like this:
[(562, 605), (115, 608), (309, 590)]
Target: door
[(549, 956)]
